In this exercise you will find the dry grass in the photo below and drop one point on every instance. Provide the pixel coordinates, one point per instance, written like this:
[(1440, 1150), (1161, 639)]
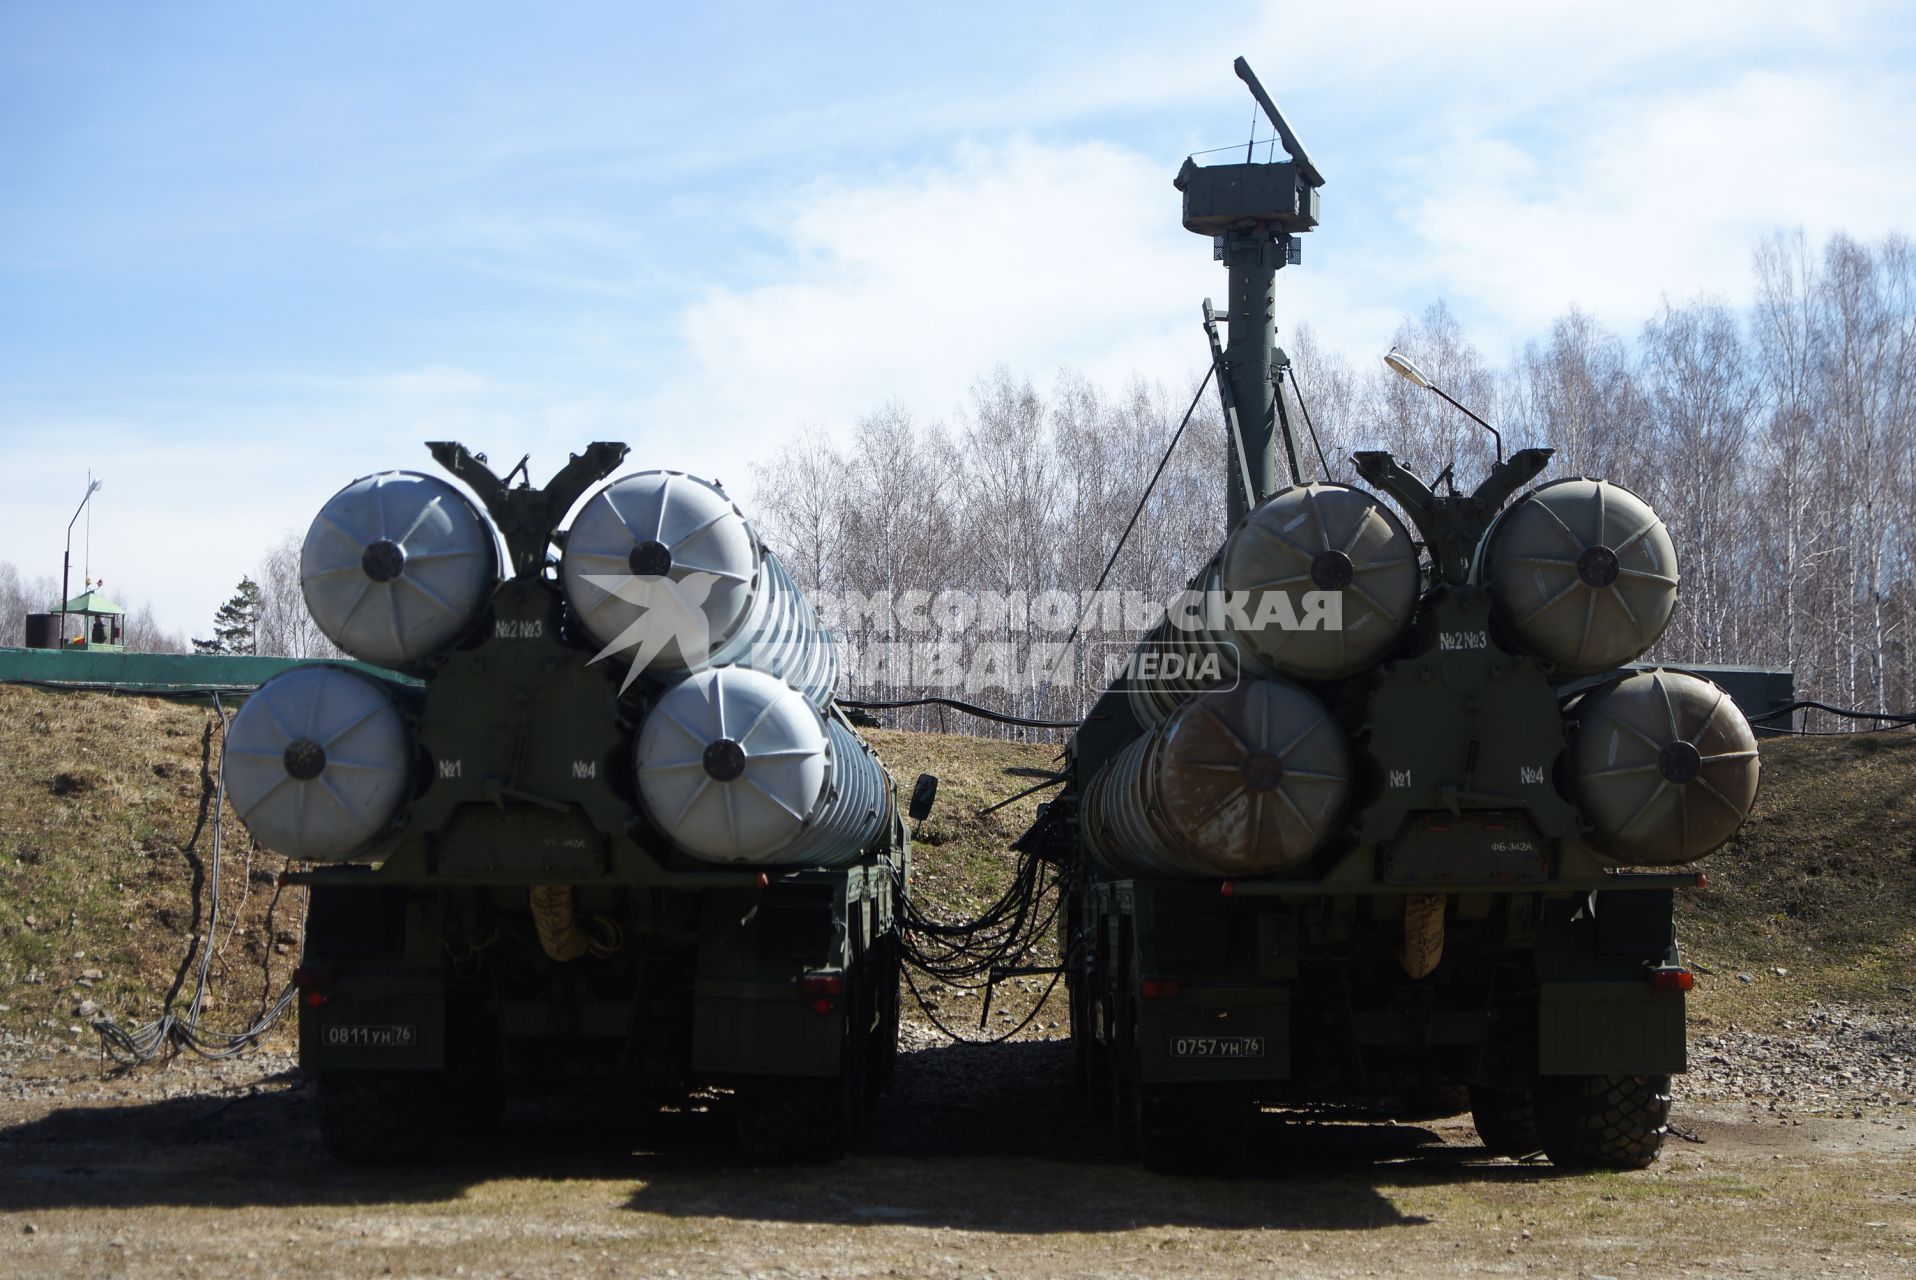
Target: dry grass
[(963, 859), (1820, 882), (99, 800), (99, 795)]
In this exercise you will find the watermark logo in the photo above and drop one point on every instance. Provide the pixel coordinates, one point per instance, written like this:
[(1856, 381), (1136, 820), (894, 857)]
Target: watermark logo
[(964, 615), (971, 642), (1158, 662), (671, 612)]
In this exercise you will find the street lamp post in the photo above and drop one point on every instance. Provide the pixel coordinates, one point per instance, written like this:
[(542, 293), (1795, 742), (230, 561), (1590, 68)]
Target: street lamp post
[(66, 559), (1400, 365)]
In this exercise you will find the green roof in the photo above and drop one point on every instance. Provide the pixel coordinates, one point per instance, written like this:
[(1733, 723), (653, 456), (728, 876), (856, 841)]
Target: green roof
[(90, 602)]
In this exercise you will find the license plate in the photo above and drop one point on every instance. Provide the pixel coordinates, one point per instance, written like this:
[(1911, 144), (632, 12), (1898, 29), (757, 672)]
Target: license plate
[(370, 1037), (1217, 1046)]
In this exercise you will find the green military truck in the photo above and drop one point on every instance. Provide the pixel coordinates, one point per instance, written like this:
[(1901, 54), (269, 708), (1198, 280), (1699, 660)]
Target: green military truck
[(619, 835), (1339, 827)]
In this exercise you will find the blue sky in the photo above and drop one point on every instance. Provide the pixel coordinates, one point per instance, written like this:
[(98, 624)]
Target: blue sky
[(250, 252)]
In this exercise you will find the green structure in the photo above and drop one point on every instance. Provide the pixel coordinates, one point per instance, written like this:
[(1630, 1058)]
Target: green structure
[(87, 621), (110, 669), (611, 833), (1383, 811)]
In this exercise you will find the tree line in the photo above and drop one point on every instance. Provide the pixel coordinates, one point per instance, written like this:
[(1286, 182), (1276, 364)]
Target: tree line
[(1776, 440), (265, 615)]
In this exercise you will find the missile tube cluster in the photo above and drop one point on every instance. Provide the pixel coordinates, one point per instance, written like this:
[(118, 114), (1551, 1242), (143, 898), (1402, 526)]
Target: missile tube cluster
[(741, 757), (1236, 774), (1316, 583)]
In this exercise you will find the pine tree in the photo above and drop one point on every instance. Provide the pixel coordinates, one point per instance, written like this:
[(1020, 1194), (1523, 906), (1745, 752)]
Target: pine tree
[(236, 625)]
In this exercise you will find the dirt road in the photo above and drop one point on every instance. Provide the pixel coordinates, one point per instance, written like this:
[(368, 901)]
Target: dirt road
[(982, 1162)]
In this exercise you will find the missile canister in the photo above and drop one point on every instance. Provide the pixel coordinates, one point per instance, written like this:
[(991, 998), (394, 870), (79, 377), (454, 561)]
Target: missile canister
[(1339, 542), (664, 571), (397, 566), (317, 762), (1317, 583), (1583, 572), (737, 766), (1235, 782), (1664, 766)]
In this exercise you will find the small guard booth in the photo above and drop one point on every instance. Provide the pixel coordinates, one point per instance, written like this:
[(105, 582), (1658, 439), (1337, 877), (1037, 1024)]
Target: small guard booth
[(89, 621)]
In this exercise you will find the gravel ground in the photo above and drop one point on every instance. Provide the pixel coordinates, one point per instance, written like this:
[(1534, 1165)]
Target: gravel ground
[(1830, 1059), (983, 1160)]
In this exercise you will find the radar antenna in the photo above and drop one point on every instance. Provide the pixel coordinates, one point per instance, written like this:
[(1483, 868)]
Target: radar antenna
[(1253, 213)]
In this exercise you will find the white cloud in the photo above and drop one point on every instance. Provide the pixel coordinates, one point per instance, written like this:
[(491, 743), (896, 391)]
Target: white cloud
[(1511, 158), (1668, 199), (914, 284)]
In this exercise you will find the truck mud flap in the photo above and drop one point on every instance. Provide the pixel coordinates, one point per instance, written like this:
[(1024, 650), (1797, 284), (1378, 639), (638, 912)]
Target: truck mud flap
[(1609, 1028), (763, 1028)]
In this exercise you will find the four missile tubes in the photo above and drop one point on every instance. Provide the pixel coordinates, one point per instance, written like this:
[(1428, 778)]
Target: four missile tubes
[(741, 756), (1243, 770)]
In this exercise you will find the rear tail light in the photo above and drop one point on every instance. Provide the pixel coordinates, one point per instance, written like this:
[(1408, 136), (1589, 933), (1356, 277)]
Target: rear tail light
[(1159, 988), (822, 989), (313, 977), (1672, 979)]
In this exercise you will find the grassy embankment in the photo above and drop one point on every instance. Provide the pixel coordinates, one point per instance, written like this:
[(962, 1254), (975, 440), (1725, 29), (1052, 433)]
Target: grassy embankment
[(99, 795)]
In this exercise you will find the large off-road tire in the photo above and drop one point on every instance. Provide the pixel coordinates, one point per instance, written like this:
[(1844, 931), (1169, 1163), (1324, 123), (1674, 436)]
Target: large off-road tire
[(881, 1060), (1081, 1046), (794, 1119), (808, 1119), (1434, 1101), (382, 1117), (1121, 1065), (1506, 1120), (1603, 1122), (1194, 1128)]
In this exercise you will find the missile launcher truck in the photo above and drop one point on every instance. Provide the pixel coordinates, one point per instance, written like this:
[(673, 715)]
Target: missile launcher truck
[(613, 831), (1339, 826)]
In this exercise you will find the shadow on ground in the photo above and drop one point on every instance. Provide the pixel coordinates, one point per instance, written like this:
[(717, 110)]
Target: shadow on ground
[(985, 1138)]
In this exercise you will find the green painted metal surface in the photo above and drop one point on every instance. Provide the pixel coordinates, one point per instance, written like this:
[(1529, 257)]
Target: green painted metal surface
[(163, 673), (1459, 926), (89, 602)]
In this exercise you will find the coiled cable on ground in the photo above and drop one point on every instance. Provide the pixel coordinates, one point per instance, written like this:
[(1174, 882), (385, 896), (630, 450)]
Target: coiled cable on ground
[(171, 1032), (973, 955)]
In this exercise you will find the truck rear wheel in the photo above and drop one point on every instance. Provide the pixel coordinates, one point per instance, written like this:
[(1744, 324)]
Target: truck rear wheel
[(794, 1119), (1603, 1122), (1506, 1120), (1434, 1101), (1121, 1089), (1193, 1128), (882, 1048), (381, 1117)]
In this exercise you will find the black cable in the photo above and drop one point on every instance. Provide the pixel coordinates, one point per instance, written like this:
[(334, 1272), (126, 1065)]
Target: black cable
[(171, 1032), (1894, 717), (1145, 497), (1305, 409), (74, 686), (970, 709), (1030, 790), (960, 1037)]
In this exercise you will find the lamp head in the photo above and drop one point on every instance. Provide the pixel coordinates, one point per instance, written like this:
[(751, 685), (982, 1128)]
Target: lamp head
[(1403, 368)]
